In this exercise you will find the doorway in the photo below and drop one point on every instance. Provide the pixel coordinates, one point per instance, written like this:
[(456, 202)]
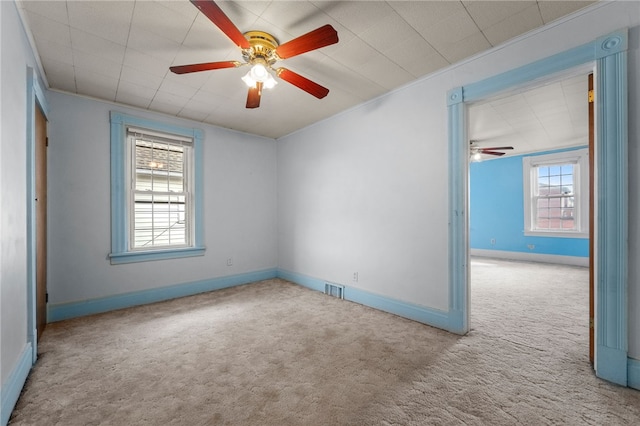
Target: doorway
[(548, 124), (41, 143), (607, 56), (37, 118)]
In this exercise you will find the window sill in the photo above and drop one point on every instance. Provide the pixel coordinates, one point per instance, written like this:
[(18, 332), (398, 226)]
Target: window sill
[(557, 234), (145, 256)]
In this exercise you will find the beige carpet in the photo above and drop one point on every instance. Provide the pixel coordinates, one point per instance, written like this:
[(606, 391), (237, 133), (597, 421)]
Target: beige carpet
[(274, 353)]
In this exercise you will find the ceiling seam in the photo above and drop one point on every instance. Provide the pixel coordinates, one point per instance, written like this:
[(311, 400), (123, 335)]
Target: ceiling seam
[(73, 57), (173, 62), (420, 35), (540, 12), (477, 26), (126, 46)]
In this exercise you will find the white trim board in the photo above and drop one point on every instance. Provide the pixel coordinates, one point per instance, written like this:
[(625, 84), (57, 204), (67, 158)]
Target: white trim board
[(531, 257)]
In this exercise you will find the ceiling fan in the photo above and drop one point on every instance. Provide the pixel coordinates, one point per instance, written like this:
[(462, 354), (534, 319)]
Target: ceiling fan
[(475, 152), (261, 51)]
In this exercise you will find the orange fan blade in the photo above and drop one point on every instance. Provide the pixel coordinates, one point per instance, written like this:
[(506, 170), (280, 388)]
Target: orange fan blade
[(184, 69), (320, 37), (253, 97), (303, 83), (217, 16)]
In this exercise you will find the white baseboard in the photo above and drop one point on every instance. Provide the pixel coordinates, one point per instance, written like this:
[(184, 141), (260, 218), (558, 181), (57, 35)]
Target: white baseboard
[(531, 257)]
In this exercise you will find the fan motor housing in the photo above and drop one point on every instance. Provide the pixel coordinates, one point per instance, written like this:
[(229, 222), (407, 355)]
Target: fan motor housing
[(263, 46)]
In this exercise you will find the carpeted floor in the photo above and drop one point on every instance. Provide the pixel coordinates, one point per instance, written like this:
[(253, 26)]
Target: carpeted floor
[(274, 353)]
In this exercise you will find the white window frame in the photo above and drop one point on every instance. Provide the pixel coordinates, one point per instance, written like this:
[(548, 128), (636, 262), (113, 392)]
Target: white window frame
[(580, 159), (122, 250), (133, 134)]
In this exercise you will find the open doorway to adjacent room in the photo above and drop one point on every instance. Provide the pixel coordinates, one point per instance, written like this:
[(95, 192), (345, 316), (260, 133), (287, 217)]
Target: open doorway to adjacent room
[(531, 215)]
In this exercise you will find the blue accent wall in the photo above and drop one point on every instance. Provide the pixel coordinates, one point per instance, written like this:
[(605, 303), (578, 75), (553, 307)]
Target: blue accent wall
[(496, 211)]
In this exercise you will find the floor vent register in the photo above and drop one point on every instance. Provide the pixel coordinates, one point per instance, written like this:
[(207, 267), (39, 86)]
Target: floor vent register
[(334, 290)]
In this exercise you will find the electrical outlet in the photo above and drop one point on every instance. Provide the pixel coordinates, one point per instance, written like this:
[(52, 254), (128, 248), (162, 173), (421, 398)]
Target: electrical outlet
[(355, 276), (230, 261), (493, 241), (531, 246)]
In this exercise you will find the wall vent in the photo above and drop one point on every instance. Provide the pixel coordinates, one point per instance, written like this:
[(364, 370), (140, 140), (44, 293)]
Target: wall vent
[(334, 290)]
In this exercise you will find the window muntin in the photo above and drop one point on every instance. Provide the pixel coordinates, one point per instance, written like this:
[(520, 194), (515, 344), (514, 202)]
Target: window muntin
[(556, 194), (160, 194)]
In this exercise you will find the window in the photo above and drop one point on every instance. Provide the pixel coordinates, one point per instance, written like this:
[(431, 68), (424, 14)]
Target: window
[(554, 198), (556, 194), (160, 190), (156, 199)]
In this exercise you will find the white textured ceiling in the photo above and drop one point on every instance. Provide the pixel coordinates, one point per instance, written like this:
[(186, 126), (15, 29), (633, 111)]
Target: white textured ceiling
[(121, 51), (552, 115)]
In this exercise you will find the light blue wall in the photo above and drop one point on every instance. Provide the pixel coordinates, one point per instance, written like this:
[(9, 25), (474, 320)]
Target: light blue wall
[(496, 212)]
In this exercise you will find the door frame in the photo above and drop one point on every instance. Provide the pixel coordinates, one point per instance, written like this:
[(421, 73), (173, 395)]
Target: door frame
[(608, 54), (35, 99)]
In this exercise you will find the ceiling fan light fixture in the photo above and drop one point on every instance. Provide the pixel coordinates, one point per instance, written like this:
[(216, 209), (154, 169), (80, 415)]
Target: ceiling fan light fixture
[(270, 82), (259, 73), (476, 157), (248, 80)]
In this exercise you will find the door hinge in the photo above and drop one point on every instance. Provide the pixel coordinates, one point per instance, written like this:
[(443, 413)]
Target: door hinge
[(46, 141), (591, 324), (591, 96), (46, 298)]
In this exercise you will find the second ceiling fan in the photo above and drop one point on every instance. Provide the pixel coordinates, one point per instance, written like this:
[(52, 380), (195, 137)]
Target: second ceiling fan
[(261, 51), (476, 152)]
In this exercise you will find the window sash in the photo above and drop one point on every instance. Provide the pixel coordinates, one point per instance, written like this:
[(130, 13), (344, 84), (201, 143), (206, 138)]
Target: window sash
[(561, 217), (160, 195), (556, 218), (159, 219)]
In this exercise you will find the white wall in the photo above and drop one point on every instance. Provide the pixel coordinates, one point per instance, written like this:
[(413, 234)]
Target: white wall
[(240, 215), (15, 57), (367, 190)]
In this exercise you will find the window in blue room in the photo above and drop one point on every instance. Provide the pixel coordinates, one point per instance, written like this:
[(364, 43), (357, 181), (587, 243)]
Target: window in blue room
[(556, 194)]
